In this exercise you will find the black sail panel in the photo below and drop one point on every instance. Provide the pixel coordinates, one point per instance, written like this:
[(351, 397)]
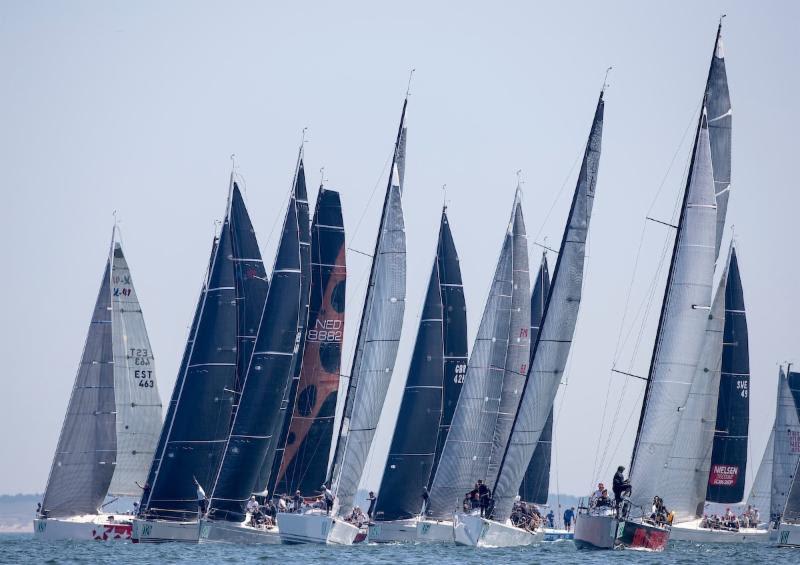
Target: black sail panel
[(304, 463), (269, 472), (193, 438), (259, 401), (536, 482), (729, 454), (454, 309), (87, 447)]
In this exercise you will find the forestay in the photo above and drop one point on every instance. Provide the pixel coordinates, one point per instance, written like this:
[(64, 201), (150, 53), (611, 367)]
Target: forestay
[(554, 341), (679, 338)]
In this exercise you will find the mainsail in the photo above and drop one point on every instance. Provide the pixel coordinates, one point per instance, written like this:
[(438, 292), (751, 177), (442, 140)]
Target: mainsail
[(791, 512), (433, 369), (199, 416), (377, 342), (554, 341), (469, 444), (682, 324), (536, 482), (729, 454), (778, 466), (304, 463), (720, 117), (255, 418), (272, 462), (138, 418), (685, 476)]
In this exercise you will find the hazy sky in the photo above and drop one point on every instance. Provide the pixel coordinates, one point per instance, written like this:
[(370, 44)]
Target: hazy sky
[(136, 107)]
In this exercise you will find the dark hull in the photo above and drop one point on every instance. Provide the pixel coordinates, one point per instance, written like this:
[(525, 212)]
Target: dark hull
[(606, 532)]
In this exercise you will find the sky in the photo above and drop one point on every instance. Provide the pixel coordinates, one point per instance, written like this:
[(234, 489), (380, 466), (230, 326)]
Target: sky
[(138, 107)]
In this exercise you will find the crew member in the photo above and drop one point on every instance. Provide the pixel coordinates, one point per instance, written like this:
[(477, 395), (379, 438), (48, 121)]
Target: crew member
[(372, 500)]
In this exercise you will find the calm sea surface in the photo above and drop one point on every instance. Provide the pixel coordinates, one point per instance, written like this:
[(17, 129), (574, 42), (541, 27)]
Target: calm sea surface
[(16, 548)]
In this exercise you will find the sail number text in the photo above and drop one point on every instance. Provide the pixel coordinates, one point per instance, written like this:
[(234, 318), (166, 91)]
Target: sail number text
[(141, 358), (743, 387), (326, 330)]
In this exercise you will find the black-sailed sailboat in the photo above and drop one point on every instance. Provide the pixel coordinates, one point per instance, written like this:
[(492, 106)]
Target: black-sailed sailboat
[(434, 381)]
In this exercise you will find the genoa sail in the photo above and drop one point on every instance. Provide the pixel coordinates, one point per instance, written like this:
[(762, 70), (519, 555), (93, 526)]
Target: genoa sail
[(199, 417), (469, 444), (729, 455), (418, 427), (681, 326), (377, 342), (554, 341), (536, 482), (256, 413), (138, 418), (304, 463)]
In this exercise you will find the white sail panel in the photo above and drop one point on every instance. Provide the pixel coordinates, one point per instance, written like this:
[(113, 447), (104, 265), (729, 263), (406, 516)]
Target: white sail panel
[(761, 492), (136, 396), (787, 443), (679, 340)]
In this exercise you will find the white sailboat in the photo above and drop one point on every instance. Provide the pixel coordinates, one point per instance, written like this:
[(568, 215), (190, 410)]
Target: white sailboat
[(112, 422)]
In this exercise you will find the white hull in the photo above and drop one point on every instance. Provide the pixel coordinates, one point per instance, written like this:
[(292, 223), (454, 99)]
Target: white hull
[(553, 534), (434, 531), (90, 528), (212, 531), (789, 535), (390, 531), (160, 531), (317, 528), (472, 530), (692, 532), (595, 532)]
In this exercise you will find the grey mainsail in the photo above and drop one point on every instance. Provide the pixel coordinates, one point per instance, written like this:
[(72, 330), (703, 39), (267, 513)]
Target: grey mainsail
[(679, 338), (378, 339), (138, 418), (685, 475), (471, 440), (720, 117), (786, 444), (557, 330)]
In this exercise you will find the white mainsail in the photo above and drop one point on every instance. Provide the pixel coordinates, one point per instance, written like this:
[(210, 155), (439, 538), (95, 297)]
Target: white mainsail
[(680, 336), (786, 455), (135, 385)]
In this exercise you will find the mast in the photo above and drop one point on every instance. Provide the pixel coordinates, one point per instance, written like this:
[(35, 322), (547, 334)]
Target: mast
[(385, 299)]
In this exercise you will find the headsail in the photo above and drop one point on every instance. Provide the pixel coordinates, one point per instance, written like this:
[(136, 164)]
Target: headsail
[(377, 342), (469, 445), (536, 482), (419, 422), (305, 458), (554, 341), (720, 117), (138, 415), (257, 409), (87, 447), (679, 338)]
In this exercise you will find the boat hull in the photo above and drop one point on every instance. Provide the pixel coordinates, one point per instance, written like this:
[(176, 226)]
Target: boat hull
[(434, 531), (474, 531), (789, 535), (552, 534), (90, 528), (212, 531), (692, 532), (393, 531), (317, 528), (162, 531), (607, 532)]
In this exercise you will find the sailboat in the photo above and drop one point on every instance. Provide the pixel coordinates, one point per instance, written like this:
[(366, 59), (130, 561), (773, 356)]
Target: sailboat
[(784, 500), (490, 392), (256, 418), (507, 526), (432, 388), (373, 364), (111, 426), (676, 352), (221, 338)]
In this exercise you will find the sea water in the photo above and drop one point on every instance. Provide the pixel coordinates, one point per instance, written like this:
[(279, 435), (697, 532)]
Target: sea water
[(17, 548)]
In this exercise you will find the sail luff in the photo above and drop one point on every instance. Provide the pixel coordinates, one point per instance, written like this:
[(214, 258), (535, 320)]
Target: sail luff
[(679, 338), (377, 342), (554, 341)]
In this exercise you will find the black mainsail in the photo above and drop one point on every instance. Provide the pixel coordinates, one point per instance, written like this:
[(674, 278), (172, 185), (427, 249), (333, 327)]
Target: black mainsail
[(442, 332), (536, 482), (257, 410), (304, 464)]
